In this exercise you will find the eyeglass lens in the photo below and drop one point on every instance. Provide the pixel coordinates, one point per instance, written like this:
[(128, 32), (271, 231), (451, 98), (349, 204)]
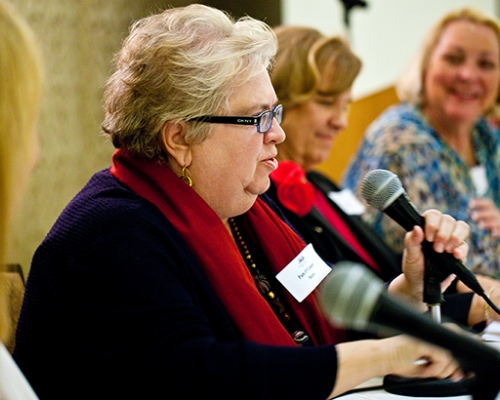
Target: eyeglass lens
[(266, 120)]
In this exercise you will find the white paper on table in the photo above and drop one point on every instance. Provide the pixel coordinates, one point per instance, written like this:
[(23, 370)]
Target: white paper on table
[(492, 332)]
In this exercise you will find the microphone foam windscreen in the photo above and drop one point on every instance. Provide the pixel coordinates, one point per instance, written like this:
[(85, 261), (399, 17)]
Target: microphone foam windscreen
[(349, 294), (379, 187)]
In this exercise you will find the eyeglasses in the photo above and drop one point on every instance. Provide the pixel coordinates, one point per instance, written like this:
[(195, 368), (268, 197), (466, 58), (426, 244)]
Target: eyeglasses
[(263, 121)]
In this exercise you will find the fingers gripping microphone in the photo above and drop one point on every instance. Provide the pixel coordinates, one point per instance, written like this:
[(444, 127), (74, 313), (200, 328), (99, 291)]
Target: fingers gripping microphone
[(352, 296), (383, 190)]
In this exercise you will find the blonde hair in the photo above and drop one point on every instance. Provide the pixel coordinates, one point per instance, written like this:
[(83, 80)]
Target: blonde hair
[(20, 87), (183, 63), (304, 57), (410, 86)]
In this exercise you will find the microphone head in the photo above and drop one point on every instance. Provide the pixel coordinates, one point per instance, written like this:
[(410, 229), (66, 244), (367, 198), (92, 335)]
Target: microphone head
[(380, 188), (349, 295)]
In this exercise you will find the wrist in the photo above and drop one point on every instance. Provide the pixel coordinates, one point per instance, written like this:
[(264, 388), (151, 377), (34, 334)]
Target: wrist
[(487, 308), (411, 293)]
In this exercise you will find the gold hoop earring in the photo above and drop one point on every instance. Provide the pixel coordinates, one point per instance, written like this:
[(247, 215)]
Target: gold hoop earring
[(185, 177)]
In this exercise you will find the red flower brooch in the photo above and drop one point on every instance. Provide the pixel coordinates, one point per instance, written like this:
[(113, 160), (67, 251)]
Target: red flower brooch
[(292, 188)]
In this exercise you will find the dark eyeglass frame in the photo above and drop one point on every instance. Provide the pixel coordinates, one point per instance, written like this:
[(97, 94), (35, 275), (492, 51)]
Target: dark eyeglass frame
[(276, 112)]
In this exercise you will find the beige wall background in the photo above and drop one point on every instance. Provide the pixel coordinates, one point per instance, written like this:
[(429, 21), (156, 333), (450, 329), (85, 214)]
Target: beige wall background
[(78, 39)]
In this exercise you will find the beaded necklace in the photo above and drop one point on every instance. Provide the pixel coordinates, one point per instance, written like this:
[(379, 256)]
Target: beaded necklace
[(264, 286)]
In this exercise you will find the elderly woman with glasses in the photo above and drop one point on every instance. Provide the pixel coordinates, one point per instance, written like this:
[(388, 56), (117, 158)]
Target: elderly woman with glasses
[(157, 280)]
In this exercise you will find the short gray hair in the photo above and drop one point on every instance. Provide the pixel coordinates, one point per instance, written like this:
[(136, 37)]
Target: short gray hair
[(182, 63)]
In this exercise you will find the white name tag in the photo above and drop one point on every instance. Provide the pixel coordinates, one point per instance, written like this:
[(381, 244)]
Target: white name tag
[(346, 200), (304, 273), (478, 175)]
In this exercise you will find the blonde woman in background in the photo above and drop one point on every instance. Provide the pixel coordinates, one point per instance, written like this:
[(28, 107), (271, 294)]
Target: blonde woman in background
[(20, 85), (313, 77), (438, 140)]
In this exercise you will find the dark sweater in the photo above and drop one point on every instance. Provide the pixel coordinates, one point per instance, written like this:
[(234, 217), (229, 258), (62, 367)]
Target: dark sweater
[(116, 306)]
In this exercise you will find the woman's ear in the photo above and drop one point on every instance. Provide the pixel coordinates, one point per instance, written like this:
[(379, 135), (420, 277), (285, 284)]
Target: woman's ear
[(173, 142)]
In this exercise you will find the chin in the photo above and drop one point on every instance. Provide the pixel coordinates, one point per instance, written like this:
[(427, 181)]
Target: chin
[(464, 115), (321, 159), (257, 188)]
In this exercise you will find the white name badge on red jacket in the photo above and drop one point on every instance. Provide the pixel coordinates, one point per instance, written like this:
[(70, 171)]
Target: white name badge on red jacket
[(304, 273)]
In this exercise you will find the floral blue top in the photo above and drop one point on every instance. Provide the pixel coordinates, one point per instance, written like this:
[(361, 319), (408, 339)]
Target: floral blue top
[(434, 176)]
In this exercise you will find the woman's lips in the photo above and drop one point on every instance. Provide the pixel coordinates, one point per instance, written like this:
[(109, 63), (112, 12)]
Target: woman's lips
[(271, 162)]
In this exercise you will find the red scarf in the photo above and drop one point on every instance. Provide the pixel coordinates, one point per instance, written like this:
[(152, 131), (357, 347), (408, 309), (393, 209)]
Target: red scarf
[(218, 254)]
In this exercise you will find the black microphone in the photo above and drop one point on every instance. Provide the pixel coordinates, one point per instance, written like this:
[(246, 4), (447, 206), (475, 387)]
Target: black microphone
[(384, 191), (352, 296)]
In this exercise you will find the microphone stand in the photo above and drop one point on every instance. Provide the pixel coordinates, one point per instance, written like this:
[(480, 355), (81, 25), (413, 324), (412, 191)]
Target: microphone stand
[(433, 296)]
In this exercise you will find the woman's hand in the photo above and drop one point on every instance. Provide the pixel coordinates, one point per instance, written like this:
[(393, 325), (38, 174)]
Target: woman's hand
[(447, 235), (486, 215), (414, 358), (401, 355)]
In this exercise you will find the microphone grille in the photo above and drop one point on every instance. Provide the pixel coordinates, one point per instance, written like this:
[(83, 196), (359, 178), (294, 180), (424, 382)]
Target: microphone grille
[(349, 294), (380, 188)]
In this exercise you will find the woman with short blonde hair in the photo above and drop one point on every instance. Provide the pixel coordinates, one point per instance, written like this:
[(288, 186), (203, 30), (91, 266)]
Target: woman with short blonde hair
[(439, 140)]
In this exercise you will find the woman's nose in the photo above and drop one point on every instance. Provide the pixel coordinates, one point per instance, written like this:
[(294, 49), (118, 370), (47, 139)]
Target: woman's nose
[(276, 134), (468, 70), (338, 119)]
